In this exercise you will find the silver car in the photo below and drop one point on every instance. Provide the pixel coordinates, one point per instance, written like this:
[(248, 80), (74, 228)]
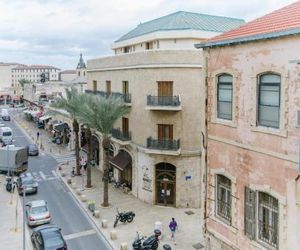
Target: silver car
[(37, 213)]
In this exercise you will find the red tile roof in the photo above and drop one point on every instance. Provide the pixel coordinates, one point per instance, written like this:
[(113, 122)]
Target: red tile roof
[(284, 19)]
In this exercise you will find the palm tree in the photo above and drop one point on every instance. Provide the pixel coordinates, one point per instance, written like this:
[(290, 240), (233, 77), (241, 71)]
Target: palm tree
[(101, 113), (71, 104)]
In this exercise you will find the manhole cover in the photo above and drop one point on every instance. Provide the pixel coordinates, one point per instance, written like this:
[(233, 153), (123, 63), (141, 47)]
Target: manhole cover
[(198, 246), (189, 212)]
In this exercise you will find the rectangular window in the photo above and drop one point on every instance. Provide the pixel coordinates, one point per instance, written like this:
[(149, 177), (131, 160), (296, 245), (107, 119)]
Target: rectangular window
[(269, 100), (149, 45), (125, 125), (268, 219), (125, 87), (108, 88), (224, 95), (165, 88), (126, 49), (223, 198), (95, 87), (165, 132)]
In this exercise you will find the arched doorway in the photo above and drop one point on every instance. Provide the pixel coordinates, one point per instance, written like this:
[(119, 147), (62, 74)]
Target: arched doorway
[(95, 149), (165, 176)]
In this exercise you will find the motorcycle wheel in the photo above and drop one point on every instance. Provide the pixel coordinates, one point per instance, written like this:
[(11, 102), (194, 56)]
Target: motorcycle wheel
[(130, 218)]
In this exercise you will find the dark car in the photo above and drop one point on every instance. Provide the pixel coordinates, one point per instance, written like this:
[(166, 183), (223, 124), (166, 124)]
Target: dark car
[(33, 150), (28, 183), (48, 237), (6, 118)]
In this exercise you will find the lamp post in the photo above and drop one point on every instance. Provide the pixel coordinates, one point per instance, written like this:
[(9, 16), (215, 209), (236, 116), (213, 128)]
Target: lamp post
[(24, 194)]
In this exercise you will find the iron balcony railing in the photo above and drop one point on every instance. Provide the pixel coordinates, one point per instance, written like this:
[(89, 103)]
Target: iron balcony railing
[(163, 144), (121, 135), (163, 101), (125, 97)]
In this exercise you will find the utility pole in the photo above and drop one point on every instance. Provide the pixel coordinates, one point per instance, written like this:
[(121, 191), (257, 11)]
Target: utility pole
[(24, 194)]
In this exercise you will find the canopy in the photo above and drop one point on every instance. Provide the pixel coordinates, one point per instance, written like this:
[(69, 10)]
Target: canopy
[(121, 160), (44, 118)]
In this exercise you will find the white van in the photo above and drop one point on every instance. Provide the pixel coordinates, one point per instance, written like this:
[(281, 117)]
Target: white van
[(6, 136), (5, 115)]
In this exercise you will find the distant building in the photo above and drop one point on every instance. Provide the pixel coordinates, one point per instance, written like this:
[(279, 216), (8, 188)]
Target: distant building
[(67, 75), (6, 76)]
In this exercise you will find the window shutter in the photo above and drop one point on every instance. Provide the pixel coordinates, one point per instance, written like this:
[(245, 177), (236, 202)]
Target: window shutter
[(298, 118), (250, 215)]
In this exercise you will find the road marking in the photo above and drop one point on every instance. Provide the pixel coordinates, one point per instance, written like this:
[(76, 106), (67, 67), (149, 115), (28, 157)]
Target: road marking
[(79, 234), (42, 175), (54, 173)]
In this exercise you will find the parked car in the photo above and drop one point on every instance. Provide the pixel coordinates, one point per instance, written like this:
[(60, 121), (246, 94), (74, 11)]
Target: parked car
[(33, 150), (48, 237), (37, 213), (27, 182)]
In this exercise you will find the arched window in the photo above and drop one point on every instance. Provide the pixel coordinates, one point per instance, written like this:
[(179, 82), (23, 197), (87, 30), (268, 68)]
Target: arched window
[(269, 100), (224, 95), (223, 198)]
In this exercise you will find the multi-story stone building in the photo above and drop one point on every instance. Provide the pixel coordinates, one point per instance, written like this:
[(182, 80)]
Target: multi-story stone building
[(6, 75), (253, 133), (157, 147)]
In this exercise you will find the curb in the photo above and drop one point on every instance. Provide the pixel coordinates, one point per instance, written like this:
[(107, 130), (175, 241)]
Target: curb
[(83, 208)]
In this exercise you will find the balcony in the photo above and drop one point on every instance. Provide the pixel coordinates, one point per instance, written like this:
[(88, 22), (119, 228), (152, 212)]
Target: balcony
[(167, 103), (163, 146), (122, 138), (125, 97)]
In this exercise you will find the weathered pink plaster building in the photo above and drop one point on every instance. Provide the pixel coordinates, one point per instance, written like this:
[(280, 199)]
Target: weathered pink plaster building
[(253, 112)]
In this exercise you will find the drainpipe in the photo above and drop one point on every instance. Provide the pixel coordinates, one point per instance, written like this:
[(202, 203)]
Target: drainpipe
[(204, 138)]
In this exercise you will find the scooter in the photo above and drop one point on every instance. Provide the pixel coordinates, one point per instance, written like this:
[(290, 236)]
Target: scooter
[(144, 243), (123, 217), (9, 184)]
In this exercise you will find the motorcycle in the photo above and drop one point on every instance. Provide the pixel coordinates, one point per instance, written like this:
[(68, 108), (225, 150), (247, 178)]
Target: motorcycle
[(123, 217), (9, 184), (144, 243)]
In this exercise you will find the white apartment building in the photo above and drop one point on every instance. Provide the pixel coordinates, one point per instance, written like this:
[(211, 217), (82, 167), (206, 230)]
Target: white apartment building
[(6, 75)]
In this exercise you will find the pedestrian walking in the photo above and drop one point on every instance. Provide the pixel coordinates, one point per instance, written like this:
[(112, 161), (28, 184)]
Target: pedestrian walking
[(173, 227), (37, 136)]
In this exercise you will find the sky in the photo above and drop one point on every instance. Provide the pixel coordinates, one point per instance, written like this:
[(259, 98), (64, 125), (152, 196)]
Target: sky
[(55, 32)]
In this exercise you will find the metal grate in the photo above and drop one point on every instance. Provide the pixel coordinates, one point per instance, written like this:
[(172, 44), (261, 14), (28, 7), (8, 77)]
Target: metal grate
[(198, 246), (189, 212)]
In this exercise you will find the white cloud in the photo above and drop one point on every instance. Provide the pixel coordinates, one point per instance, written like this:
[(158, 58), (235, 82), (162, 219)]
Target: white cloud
[(56, 31)]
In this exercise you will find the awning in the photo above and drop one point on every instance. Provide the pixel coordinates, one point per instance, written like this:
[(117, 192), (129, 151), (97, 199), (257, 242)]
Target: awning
[(61, 127), (121, 160), (44, 118)]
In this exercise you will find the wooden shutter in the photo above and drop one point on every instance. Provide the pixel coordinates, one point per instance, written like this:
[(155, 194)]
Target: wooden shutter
[(165, 88), (250, 213), (164, 131), (108, 87), (95, 87), (125, 87), (125, 124)]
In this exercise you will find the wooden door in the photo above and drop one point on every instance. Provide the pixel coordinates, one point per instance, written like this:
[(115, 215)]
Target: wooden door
[(165, 88), (108, 87), (164, 132)]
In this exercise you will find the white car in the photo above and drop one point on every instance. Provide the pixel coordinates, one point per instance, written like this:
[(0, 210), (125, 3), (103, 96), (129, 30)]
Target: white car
[(37, 213)]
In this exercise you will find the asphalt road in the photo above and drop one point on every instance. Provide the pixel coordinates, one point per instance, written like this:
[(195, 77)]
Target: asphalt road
[(79, 232)]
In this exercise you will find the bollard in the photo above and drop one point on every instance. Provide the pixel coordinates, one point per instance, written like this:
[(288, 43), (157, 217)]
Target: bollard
[(78, 191), (63, 174), (124, 246), (69, 181), (96, 213), (73, 185), (104, 223), (83, 198), (113, 235)]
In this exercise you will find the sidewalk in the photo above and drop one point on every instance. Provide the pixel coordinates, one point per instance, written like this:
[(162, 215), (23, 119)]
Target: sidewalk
[(188, 236), (11, 216)]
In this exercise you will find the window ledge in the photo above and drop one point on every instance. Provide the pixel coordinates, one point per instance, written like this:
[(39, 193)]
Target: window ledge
[(225, 224), (229, 123), (268, 130), (261, 245)]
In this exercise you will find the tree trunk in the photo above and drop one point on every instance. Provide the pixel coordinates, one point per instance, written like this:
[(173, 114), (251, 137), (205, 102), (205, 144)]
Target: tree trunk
[(105, 145), (88, 169), (76, 132)]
